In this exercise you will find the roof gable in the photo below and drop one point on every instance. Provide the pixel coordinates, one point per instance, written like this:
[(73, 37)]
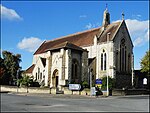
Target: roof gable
[(123, 23)]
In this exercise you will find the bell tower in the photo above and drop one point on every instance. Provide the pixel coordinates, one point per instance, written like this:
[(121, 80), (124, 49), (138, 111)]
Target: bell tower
[(106, 18)]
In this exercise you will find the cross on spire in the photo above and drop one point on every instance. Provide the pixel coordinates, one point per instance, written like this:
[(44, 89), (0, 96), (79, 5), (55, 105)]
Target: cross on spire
[(106, 6), (122, 15)]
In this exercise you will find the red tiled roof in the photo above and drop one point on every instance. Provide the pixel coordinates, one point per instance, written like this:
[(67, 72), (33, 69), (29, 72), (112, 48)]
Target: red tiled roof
[(112, 29), (81, 39), (30, 69)]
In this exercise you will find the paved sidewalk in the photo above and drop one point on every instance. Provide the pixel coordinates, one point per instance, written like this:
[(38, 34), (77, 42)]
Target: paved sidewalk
[(65, 96), (74, 96)]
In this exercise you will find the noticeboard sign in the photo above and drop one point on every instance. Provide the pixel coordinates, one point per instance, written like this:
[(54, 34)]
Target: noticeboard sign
[(74, 87), (98, 81)]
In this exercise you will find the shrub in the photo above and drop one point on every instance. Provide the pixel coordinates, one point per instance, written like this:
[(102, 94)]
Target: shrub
[(85, 84), (25, 81), (111, 82)]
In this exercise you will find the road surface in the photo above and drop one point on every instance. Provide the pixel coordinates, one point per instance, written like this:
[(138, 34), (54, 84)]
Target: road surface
[(61, 103)]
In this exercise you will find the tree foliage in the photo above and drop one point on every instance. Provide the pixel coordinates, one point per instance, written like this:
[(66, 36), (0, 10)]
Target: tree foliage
[(9, 64), (25, 81), (145, 63), (111, 82)]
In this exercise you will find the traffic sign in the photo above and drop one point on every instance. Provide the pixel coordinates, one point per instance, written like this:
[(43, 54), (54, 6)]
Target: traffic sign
[(98, 81)]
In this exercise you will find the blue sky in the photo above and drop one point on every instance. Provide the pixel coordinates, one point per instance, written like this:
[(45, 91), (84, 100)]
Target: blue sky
[(25, 25)]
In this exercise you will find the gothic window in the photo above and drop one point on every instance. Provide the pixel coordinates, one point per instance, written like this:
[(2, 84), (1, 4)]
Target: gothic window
[(41, 76), (103, 60), (74, 69), (129, 62), (117, 61), (122, 56), (36, 76), (38, 73), (125, 58)]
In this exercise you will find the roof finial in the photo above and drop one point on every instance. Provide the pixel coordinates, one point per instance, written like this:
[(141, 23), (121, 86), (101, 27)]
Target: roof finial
[(122, 15)]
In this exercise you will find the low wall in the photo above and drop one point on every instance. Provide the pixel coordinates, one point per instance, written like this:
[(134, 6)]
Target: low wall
[(114, 92), (42, 90), (130, 92)]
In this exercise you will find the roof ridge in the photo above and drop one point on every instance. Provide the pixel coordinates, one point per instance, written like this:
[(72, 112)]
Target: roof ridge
[(78, 33), (74, 34)]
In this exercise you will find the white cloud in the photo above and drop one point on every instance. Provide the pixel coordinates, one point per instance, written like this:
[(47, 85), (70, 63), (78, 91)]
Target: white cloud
[(82, 16), (90, 25), (9, 14), (138, 41), (139, 31), (30, 44), (138, 16)]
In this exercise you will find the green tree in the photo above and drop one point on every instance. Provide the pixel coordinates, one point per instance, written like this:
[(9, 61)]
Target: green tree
[(10, 63), (111, 82), (145, 63), (25, 81)]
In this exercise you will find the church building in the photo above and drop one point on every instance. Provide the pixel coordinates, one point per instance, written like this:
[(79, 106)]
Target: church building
[(98, 52)]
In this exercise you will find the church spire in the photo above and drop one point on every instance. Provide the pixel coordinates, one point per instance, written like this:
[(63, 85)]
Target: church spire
[(106, 18)]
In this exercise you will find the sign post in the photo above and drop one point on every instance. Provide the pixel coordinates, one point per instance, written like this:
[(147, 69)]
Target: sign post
[(98, 83)]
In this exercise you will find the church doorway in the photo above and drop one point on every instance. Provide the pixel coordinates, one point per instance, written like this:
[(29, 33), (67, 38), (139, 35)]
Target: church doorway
[(55, 78)]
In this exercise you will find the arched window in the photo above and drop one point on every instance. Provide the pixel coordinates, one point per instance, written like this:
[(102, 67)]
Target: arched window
[(122, 56), (38, 73), (36, 76), (103, 60), (117, 60), (125, 60), (74, 69), (129, 63), (40, 76)]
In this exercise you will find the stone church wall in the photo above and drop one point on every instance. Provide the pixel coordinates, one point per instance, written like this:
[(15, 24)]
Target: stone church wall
[(122, 33), (84, 66)]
